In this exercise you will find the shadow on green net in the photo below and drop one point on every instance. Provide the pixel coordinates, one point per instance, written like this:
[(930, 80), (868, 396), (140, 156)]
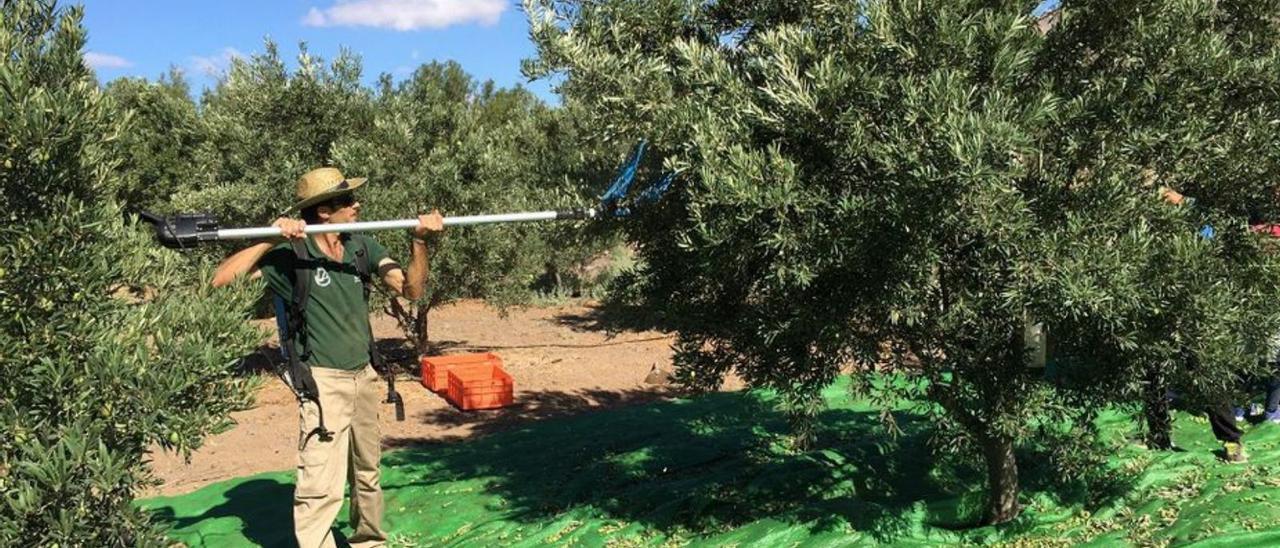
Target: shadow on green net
[(715, 468)]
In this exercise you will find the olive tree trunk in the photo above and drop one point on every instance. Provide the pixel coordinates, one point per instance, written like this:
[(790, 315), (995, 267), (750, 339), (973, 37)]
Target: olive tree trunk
[(1002, 479), (1155, 409)]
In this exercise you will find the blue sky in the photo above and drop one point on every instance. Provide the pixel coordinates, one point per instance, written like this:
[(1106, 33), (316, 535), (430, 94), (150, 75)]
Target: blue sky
[(145, 37)]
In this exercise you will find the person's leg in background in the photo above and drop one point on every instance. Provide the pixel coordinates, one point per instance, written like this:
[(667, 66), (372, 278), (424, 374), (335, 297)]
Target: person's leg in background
[(1222, 420), (1273, 394)]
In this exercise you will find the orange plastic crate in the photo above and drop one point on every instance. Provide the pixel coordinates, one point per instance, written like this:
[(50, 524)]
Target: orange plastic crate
[(435, 369), (480, 387)]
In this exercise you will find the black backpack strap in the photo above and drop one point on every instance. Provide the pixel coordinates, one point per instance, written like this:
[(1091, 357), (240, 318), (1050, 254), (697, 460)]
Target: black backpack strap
[(364, 269), (299, 375)]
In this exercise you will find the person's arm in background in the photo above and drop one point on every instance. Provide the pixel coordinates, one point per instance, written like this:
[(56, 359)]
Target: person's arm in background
[(1174, 197), (1177, 198)]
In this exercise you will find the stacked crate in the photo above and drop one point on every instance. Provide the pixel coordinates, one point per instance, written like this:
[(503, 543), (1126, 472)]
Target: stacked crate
[(469, 381)]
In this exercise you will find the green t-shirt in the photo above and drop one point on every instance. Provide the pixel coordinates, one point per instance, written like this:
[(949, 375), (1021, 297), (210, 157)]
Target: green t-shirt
[(337, 316)]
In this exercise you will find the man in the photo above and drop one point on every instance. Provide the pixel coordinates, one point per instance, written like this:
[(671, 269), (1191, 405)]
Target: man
[(340, 438), (1222, 419)]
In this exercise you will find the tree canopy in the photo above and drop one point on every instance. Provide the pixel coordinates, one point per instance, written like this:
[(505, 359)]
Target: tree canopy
[(905, 186)]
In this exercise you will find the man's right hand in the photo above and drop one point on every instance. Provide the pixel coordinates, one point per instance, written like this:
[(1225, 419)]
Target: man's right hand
[(291, 229)]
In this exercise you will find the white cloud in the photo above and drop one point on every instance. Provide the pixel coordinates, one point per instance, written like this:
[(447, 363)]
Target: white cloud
[(406, 14), (216, 64), (105, 61)]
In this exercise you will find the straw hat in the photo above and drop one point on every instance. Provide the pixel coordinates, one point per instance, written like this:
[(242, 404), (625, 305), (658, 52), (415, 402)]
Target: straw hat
[(319, 185)]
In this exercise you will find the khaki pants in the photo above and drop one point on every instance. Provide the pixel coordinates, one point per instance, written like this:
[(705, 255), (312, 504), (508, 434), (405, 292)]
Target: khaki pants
[(351, 400)]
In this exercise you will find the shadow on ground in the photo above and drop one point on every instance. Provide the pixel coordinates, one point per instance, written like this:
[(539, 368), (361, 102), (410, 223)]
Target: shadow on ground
[(714, 469), (613, 317), (530, 406), (449, 346), (710, 465), (257, 510)]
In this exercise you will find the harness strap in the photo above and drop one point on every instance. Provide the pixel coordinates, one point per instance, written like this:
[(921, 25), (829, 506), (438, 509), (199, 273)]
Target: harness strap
[(298, 375), (363, 268)]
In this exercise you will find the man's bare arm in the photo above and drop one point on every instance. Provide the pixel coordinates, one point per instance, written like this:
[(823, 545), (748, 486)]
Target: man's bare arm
[(240, 263), (245, 261), (417, 283), (392, 275), (412, 285)]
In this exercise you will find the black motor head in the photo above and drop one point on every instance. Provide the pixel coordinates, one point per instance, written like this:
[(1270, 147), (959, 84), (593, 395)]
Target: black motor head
[(183, 230)]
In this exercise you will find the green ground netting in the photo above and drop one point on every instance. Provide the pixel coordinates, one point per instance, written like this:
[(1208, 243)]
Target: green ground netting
[(713, 472)]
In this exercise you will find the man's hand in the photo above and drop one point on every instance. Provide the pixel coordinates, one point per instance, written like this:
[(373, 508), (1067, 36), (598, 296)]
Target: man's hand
[(431, 222), (1172, 196), (291, 229)]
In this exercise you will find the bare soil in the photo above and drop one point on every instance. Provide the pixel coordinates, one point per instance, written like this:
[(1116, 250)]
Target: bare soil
[(562, 359)]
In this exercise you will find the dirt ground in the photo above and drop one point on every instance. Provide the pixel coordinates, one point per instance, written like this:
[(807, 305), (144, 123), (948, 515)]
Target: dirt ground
[(561, 358)]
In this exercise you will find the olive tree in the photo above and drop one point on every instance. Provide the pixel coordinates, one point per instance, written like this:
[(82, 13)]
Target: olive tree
[(159, 151), (880, 185), (110, 347), (263, 125), (1187, 95), (442, 140)]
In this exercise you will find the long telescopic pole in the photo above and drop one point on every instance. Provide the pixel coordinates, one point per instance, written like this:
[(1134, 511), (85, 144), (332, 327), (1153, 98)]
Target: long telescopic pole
[(183, 231), (369, 226)]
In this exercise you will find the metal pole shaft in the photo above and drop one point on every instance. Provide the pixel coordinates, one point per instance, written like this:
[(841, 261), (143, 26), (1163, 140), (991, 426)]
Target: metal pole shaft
[(368, 226)]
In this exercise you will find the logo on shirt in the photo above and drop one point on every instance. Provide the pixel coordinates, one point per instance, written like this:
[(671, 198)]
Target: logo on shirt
[(322, 277)]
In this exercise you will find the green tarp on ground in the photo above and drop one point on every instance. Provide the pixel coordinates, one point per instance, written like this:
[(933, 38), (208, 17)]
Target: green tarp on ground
[(714, 471)]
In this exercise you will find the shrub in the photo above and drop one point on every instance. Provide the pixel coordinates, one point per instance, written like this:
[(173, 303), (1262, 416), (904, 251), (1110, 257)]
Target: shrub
[(158, 151), (110, 344)]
